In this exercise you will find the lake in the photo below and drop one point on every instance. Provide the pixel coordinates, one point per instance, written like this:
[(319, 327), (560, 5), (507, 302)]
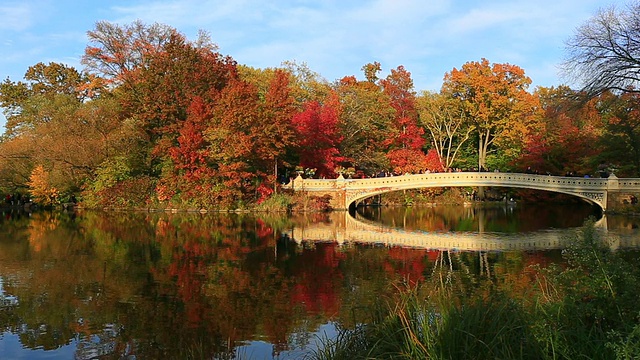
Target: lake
[(87, 284)]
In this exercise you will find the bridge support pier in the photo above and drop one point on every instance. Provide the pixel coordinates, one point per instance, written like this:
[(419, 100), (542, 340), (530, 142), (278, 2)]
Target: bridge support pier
[(618, 197)]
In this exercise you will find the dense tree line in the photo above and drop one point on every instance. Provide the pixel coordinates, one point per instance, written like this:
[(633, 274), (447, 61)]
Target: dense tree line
[(155, 119)]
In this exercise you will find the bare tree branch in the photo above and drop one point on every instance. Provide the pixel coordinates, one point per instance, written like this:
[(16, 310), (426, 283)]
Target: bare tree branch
[(604, 54)]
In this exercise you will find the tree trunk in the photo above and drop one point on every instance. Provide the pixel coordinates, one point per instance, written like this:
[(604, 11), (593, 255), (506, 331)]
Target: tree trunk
[(275, 172), (481, 162)]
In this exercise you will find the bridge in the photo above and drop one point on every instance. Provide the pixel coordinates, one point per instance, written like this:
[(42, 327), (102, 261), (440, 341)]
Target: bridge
[(345, 229), (606, 193)]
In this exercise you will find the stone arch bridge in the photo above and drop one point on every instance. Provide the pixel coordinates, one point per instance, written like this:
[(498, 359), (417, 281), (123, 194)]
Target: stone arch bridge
[(606, 193)]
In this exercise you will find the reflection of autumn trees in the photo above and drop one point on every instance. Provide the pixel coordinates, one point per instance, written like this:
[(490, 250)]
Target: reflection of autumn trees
[(319, 279), (495, 217), (159, 285), (411, 264), (44, 273), (221, 271), (465, 275)]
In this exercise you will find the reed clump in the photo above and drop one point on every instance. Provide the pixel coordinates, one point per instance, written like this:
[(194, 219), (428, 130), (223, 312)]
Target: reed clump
[(587, 308)]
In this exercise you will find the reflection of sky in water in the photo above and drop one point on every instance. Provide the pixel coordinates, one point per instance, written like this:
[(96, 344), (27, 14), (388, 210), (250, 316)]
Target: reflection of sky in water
[(264, 350), (11, 348)]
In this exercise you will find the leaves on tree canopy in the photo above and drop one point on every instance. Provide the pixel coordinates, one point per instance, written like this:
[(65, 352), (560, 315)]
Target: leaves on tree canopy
[(183, 124), (496, 101)]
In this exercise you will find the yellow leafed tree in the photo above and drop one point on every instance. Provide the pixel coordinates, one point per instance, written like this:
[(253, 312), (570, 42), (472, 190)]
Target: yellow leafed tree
[(40, 189), (494, 98)]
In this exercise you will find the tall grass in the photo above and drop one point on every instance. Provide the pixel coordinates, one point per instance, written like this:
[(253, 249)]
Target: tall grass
[(275, 203), (586, 310), (496, 328)]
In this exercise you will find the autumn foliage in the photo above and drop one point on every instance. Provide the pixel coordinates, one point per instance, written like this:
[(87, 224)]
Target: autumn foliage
[(317, 128), (158, 120), (40, 188)]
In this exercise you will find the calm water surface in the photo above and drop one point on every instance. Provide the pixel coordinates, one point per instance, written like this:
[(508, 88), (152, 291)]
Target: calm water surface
[(88, 285)]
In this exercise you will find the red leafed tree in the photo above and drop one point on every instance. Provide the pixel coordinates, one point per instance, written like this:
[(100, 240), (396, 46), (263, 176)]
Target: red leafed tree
[(414, 161), (434, 161), (564, 140), (173, 78), (191, 154), (406, 142), (158, 84), (399, 87), (319, 136), (231, 137)]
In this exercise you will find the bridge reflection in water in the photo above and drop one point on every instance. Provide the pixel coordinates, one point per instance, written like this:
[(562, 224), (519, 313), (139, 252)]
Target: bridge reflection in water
[(345, 229)]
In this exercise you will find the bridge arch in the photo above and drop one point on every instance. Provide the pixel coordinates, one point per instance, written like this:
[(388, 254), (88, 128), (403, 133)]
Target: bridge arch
[(592, 198)]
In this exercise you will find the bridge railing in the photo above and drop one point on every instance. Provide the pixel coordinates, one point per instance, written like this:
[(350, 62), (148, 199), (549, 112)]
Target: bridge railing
[(464, 178)]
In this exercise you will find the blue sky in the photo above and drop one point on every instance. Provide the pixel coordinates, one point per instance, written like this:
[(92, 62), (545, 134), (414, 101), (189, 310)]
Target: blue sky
[(335, 38)]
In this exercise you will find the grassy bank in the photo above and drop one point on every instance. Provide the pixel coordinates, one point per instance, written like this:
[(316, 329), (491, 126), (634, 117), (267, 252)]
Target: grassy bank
[(587, 309)]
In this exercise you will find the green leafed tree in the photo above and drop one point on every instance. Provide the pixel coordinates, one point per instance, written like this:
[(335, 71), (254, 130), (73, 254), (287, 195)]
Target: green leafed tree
[(365, 124), (621, 140), (446, 125), (42, 82), (57, 119)]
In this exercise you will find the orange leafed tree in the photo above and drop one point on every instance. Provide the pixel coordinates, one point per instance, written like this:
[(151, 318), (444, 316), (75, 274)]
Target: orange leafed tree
[(273, 132), (495, 99), (40, 188)]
